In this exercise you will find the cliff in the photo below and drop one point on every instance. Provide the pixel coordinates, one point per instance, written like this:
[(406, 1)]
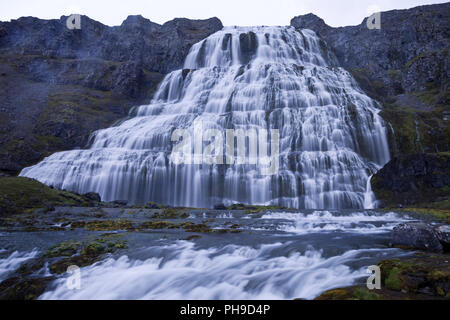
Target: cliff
[(405, 66), (59, 85), (421, 180)]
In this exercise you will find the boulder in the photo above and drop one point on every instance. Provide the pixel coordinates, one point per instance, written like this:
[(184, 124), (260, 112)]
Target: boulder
[(92, 196), (120, 202), (417, 235), (443, 234), (220, 206)]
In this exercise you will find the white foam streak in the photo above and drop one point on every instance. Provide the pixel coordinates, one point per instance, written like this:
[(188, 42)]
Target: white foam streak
[(13, 262), (232, 272), (326, 221)]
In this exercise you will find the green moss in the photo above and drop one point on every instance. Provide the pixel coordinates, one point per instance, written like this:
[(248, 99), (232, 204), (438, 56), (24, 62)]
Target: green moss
[(443, 214), (18, 288), (393, 280), (201, 227), (117, 245), (94, 248), (18, 195), (108, 225), (350, 293), (63, 249), (61, 266), (157, 225), (402, 279), (365, 294), (439, 291), (336, 294), (171, 213), (252, 208), (90, 253)]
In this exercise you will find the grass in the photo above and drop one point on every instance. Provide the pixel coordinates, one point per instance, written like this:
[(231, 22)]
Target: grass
[(18, 195), (442, 214)]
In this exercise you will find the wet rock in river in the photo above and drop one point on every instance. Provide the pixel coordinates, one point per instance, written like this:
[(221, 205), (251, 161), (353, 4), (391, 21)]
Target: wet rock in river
[(418, 235)]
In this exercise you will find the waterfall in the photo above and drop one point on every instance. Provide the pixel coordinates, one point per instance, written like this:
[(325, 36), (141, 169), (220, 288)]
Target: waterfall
[(331, 138)]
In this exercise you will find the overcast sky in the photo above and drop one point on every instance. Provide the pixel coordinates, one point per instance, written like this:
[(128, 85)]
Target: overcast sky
[(231, 12)]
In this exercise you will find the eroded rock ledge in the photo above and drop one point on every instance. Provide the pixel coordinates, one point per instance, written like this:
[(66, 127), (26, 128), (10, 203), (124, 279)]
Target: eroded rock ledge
[(421, 180)]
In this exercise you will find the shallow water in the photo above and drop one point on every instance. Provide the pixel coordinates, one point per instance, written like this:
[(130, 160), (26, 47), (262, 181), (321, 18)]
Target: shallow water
[(278, 255)]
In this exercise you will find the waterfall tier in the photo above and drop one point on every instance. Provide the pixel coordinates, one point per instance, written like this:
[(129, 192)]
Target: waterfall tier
[(331, 138)]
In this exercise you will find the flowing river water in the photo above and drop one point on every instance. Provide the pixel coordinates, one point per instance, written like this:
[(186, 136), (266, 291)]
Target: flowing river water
[(272, 255)]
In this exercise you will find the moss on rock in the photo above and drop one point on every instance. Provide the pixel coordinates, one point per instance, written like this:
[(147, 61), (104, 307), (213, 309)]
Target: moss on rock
[(19, 195)]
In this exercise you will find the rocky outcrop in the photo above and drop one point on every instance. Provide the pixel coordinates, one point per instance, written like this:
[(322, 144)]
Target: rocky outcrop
[(412, 43), (422, 236), (414, 180), (424, 276), (154, 47), (19, 195), (405, 66), (59, 85)]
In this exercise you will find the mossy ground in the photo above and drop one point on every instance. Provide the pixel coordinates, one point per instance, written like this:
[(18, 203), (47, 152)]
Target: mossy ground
[(18, 195), (424, 276), (249, 209), (25, 285), (438, 213)]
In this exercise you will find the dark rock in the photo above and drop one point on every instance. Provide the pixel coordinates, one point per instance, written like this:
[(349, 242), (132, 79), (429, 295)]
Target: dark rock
[(443, 234), (220, 206), (18, 288), (404, 65), (49, 208), (120, 202), (92, 196), (416, 235), (95, 75), (414, 179), (152, 205), (412, 41), (248, 44)]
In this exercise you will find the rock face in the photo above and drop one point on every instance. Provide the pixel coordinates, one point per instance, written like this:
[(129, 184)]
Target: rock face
[(414, 180), (412, 42), (59, 85), (418, 236), (405, 66)]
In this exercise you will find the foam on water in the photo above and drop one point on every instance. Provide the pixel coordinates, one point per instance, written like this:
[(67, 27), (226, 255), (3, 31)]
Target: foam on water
[(230, 272), (13, 261), (326, 221)]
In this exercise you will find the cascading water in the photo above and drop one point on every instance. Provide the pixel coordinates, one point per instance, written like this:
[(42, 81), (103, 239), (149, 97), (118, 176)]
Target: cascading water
[(331, 138)]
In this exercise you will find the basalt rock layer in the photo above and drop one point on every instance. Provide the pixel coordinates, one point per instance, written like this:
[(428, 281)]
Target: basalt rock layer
[(405, 66), (59, 85)]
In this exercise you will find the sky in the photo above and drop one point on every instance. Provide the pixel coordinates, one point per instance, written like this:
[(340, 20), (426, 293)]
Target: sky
[(231, 12)]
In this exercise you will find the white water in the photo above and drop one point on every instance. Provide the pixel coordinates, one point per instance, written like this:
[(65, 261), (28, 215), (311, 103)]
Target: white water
[(232, 272), (13, 261), (328, 222), (331, 137), (297, 258)]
